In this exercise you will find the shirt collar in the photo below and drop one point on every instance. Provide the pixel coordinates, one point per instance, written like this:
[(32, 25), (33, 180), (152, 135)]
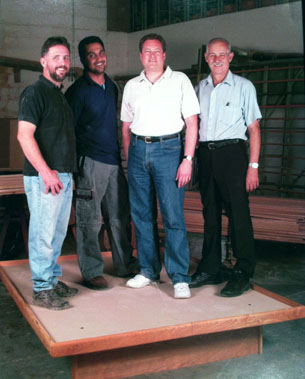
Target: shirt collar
[(49, 83), (92, 82), (166, 74), (229, 79)]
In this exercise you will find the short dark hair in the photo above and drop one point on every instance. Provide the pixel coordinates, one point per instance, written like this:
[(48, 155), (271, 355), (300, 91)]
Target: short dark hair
[(152, 36), (218, 39), (54, 41), (82, 47)]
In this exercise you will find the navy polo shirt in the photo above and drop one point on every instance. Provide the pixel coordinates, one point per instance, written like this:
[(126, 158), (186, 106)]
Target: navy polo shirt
[(95, 119)]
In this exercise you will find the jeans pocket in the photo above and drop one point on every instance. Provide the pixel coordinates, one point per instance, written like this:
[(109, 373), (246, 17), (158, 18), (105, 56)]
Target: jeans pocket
[(173, 144)]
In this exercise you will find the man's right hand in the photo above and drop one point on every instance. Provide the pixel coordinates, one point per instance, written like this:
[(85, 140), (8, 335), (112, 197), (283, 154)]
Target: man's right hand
[(52, 182)]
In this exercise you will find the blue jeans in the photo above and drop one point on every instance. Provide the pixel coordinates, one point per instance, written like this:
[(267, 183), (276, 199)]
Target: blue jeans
[(152, 168), (49, 218)]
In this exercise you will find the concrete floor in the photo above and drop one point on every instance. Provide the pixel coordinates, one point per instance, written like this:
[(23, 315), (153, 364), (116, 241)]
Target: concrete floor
[(280, 268)]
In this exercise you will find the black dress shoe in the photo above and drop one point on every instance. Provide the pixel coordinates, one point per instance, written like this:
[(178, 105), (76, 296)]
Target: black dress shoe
[(237, 284), (202, 279)]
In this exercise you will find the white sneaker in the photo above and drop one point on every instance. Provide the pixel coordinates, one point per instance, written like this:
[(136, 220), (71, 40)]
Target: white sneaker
[(139, 281), (182, 291)]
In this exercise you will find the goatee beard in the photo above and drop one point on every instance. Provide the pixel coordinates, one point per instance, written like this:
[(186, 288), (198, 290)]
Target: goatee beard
[(58, 78)]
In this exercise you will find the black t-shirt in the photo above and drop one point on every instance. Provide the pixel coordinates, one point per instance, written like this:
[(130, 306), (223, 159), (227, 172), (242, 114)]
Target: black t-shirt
[(44, 105)]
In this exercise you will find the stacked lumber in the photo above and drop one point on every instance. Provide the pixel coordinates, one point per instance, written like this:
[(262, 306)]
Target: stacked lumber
[(11, 184), (278, 219), (274, 219)]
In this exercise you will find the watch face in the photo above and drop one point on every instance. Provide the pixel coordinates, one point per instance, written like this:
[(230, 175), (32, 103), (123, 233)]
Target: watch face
[(188, 157), (254, 165)]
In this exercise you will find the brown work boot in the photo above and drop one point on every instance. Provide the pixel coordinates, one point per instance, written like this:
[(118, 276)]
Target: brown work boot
[(98, 283), (50, 300)]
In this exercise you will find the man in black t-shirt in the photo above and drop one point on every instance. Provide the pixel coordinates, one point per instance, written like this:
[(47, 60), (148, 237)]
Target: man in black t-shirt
[(46, 135)]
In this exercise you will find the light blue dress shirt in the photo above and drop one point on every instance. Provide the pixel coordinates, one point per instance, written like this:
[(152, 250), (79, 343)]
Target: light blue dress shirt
[(227, 109)]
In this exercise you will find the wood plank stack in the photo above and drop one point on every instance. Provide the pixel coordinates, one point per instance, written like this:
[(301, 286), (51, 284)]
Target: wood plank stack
[(11, 184), (274, 219)]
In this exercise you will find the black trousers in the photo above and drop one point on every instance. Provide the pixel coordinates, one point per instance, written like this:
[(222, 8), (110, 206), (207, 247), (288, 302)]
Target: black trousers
[(222, 180)]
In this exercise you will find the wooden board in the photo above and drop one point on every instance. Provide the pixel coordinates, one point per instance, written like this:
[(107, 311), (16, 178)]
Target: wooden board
[(169, 355), (274, 219), (11, 184)]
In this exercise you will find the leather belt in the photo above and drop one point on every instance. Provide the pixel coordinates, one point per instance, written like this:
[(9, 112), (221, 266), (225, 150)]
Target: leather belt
[(148, 139), (211, 145)]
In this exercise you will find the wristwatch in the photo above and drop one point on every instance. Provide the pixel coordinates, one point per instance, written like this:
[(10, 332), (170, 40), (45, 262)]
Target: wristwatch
[(253, 164), (188, 157)]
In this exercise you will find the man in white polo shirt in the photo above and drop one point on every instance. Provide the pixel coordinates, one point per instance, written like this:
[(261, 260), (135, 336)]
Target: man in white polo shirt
[(156, 105)]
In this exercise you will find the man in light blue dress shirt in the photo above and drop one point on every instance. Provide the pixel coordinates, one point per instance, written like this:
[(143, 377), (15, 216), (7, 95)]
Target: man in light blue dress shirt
[(229, 116)]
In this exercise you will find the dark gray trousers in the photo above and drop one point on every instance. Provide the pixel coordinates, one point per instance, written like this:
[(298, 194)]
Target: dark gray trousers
[(102, 192)]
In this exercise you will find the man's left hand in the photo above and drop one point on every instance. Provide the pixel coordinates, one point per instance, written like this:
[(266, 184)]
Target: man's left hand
[(252, 180), (184, 173)]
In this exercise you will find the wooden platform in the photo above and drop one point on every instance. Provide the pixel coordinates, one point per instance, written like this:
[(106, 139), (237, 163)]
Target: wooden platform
[(125, 332)]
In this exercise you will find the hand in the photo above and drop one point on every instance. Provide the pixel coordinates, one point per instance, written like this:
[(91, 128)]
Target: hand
[(184, 173), (252, 180), (52, 182)]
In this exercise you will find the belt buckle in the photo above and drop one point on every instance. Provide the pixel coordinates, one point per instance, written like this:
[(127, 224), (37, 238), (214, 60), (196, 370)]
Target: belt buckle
[(211, 146), (147, 139)]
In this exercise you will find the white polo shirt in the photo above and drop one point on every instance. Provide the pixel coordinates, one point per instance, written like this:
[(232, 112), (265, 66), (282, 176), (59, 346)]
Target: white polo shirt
[(160, 108)]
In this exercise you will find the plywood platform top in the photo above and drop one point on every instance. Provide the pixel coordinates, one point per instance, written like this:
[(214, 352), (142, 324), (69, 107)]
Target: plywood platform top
[(121, 316)]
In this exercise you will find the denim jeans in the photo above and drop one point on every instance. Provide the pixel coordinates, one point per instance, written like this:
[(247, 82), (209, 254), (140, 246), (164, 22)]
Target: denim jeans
[(152, 168), (49, 218), (102, 191)]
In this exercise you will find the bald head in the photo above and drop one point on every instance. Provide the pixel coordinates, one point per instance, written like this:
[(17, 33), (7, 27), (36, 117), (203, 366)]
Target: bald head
[(216, 40)]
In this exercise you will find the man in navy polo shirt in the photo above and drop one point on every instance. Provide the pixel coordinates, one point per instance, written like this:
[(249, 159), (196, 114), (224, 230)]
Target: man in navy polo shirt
[(101, 186)]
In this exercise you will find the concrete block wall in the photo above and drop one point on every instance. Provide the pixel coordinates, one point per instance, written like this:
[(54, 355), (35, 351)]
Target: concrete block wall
[(26, 24)]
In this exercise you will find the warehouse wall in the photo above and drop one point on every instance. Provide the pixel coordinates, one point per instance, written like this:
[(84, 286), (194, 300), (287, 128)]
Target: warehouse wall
[(24, 25), (276, 28)]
